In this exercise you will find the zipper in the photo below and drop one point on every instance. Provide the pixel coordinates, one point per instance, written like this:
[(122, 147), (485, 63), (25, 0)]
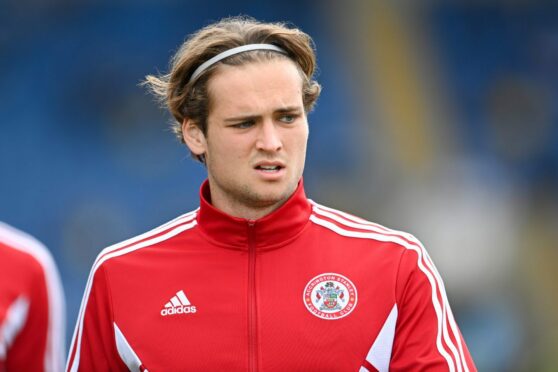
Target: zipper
[(252, 306)]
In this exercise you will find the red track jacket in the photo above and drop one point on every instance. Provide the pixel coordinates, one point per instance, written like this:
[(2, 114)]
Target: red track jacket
[(305, 288), (32, 320)]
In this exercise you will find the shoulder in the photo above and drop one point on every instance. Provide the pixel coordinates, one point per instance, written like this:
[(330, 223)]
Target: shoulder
[(404, 250), (25, 258), (351, 226), (147, 240), (21, 249)]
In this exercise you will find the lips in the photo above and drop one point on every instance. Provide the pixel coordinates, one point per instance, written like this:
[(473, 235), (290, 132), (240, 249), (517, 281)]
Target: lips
[(269, 166)]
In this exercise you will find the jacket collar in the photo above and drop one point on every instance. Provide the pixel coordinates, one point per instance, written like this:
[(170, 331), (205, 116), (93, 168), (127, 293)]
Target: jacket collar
[(271, 231)]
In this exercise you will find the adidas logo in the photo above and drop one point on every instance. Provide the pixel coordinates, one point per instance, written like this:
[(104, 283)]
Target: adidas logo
[(178, 304)]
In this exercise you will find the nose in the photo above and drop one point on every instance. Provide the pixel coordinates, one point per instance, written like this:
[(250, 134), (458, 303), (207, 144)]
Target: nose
[(268, 137)]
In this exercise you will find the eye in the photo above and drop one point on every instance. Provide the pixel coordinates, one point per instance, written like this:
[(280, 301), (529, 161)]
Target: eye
[(288, 118), (244, 125)]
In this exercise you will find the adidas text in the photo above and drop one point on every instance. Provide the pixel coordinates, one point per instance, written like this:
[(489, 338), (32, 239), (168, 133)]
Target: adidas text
[(179, 310)]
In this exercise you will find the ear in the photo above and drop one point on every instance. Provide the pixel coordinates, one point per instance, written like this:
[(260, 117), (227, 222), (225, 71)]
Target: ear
[(193, 137)]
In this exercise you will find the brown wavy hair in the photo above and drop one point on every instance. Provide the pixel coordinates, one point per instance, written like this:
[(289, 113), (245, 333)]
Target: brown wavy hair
[(187, 99)]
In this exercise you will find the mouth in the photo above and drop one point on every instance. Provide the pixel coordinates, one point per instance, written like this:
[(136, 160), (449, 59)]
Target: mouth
[(269, 167)]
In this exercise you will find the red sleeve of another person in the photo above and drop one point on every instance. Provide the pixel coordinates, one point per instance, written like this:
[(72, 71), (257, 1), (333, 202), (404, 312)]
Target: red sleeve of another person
[(31, 305), (29, 346)]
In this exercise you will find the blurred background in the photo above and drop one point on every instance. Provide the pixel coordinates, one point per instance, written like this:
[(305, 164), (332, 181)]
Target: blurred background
[(439, 118)]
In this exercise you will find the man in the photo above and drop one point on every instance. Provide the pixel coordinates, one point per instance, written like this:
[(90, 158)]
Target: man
[(32, 321), (259, 278)]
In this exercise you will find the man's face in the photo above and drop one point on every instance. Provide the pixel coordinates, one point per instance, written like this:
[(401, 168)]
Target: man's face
[(257, 132)]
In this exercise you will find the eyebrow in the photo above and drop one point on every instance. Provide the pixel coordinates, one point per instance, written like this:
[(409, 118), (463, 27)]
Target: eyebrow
[(253, 117), (288, 109)]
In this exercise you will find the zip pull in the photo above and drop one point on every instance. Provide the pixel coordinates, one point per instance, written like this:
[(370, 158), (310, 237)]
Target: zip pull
[(251, 223)]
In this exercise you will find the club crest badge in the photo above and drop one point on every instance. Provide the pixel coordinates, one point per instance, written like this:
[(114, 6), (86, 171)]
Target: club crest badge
[(330, 296)]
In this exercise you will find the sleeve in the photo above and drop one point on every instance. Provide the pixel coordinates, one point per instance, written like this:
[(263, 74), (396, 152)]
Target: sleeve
[(426, 334), (93, 346), (39, 345)]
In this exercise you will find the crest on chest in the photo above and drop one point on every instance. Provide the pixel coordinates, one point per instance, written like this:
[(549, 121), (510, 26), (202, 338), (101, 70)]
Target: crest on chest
[(330, 296)]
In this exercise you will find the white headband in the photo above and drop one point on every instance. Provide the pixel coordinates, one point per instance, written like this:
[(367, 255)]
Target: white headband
[(227, 53)]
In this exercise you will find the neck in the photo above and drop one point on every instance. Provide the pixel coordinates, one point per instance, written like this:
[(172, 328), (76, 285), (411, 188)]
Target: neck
[(284, 223), (251, 207), (245, 212)]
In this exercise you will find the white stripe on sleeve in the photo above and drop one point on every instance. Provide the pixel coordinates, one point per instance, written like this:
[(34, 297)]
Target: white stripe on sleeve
[(423, 264), (127, 354), (55, 346), (15, 319), (447, 316), (380, 352)]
